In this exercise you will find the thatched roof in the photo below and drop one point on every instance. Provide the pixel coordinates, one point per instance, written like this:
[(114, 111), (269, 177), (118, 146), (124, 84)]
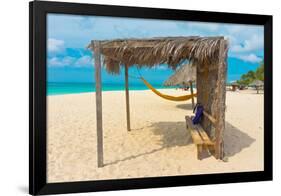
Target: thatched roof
[(234, 83), (182, 76), (172, 51), (257, 83)]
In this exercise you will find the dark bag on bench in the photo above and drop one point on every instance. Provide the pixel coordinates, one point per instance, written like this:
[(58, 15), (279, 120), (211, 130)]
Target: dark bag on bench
[(198, 110)]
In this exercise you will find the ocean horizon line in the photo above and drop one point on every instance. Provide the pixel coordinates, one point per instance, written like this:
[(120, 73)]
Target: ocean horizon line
[(61, 88), (73, 93)]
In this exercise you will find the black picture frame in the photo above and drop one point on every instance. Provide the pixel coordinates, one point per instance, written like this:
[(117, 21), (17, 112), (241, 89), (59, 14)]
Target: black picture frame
[(37, 97)]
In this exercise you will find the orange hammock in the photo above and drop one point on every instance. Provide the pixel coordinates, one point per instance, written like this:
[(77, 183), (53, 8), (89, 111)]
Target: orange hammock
[(168, 97)]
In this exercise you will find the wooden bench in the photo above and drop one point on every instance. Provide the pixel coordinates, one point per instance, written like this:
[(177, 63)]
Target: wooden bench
[(200, 138)]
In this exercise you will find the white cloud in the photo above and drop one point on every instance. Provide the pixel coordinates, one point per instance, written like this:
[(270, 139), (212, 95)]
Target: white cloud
[(235, 29), (83, 61), (204, 26), (249, 45), (86, 22), (61, 62), (69, 61), (246, 41), (55, 45), (162, 67), (250, 58), (158, 67), (232, 39)]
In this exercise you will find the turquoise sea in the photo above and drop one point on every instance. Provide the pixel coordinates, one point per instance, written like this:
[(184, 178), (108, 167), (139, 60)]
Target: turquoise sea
[(59, 88), (63, 77)]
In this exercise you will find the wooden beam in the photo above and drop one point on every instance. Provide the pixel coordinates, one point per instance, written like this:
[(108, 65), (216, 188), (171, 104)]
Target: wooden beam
[(98, 103), (191, 90), (146, 43), (127, 99), (211, 118)]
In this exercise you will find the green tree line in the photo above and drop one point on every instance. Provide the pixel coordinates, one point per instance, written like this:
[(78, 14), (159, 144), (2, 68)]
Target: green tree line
[(249, 77)]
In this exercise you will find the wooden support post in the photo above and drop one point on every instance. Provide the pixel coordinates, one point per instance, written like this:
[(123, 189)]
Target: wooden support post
[(205, 86), (211, 92), (97, 56), (220, 102), (127, 99), (191, 90)]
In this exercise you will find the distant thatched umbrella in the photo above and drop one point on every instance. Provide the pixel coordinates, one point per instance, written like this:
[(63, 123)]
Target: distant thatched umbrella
[(257, 84), (183, 76), (234, 85)]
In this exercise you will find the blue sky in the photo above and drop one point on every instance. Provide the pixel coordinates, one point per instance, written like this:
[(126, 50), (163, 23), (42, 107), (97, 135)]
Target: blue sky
[(68, 60)]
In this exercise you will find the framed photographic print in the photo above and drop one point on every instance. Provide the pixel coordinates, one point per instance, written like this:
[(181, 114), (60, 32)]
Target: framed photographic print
[(129, 98)]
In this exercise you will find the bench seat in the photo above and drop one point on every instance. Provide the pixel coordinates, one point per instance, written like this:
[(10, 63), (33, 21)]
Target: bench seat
[(200, 138)]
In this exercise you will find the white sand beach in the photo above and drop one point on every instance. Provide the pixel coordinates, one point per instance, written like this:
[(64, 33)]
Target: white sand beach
[(158, 145)]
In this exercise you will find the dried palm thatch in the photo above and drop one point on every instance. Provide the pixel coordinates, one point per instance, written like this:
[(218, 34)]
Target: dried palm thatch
[(172, 51), (183, 76), (234, 84), (258, 84)]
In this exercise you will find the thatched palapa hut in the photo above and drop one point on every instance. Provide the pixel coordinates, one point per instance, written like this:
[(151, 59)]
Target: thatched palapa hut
[(184, 76), (258, 84), (208, 54), (234, 86)]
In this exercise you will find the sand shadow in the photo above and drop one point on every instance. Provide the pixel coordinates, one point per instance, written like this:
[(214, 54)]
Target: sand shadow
[(235, 140), (139, 128), (186, 106), (133, 156), (172, 134), (175, 134)]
